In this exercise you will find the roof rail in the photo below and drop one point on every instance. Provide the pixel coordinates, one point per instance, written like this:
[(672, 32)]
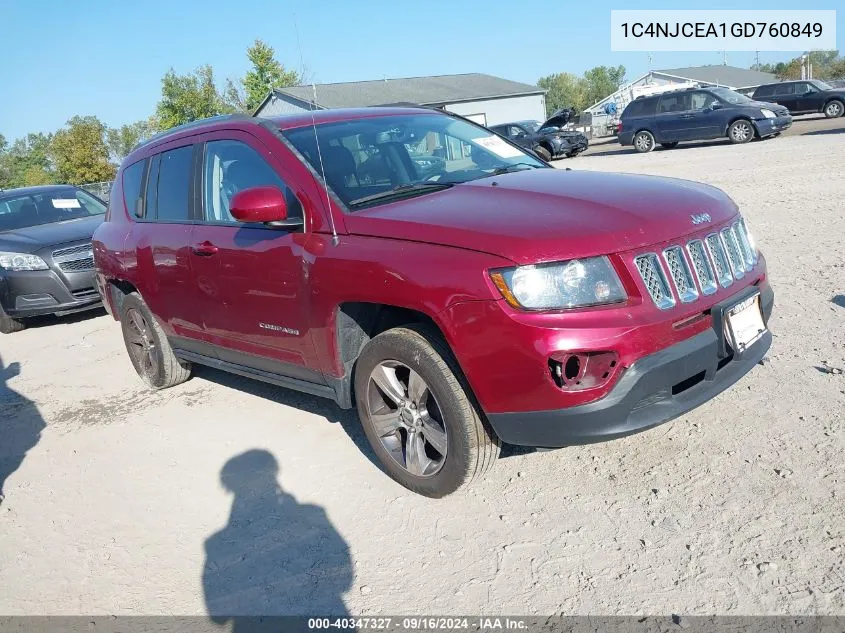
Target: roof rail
[(194, 124)]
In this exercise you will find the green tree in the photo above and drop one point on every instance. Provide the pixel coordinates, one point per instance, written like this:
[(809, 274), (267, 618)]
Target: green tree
[(186, 98), (26, 157), (266, 73), (603, 81), (564, 90), (826, 65), (123, 139), (80, 151)]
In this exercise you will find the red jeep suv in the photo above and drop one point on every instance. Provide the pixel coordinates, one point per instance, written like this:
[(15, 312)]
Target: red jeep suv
[(454, 288)]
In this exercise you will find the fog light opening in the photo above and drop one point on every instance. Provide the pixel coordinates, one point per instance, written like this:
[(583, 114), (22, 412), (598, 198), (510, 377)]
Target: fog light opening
[(582, 370), (571, 368)]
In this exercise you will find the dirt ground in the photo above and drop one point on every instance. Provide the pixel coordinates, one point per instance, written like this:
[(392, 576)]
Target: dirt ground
[(229, 496)]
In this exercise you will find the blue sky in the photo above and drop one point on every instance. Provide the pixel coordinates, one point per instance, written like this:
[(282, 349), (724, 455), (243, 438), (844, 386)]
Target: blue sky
[(107, 57)]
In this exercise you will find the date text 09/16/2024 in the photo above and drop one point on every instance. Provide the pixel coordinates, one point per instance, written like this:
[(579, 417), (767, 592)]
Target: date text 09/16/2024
[(420, 623)]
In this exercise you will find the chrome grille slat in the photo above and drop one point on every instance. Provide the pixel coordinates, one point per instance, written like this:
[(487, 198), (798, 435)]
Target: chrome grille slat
[(719, 259), (74, 259), (701, 266), (655, 280), (744, 245), (734, 256), (680, 273)]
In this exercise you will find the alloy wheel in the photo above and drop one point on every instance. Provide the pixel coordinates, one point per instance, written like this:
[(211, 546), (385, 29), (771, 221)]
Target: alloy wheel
[(406, 418), (741, 132), (643, 142), (834, 109), (140, 343)]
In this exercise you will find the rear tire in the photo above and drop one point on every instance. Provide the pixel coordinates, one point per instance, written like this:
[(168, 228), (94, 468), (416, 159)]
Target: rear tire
[(644, 141), (834, 108), (148, 347), (741, 131), (543, 153), (418, 413), (670, 145), (8, 325)]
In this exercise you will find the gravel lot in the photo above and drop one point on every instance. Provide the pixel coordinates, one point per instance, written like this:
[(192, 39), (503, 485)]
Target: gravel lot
[(119, 506)]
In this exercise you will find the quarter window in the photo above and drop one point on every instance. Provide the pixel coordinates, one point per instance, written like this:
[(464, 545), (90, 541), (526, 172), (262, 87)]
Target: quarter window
[(230, 167), (132, 178)]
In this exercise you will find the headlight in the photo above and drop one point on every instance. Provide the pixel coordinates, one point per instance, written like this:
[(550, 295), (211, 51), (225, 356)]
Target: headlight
[(571, 284), (21, 261), (751, 241), (768, 113)]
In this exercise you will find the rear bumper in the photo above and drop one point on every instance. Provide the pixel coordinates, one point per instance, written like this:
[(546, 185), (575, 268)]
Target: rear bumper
[(646, 395), (35, 293)]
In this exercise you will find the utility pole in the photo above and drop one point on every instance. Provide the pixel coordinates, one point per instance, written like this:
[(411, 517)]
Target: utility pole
[(757, 57)]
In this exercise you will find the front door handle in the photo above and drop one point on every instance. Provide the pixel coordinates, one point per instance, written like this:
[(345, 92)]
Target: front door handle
[(204, 249), (687, 116)]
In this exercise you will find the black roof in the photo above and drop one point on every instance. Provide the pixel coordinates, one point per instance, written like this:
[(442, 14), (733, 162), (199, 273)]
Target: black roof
[(23, 191)]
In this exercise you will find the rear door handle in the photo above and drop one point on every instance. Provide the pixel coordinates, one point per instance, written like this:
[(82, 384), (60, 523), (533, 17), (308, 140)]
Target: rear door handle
[(204, 249)]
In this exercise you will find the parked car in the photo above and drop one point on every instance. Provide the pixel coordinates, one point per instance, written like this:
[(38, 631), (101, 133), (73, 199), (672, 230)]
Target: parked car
[(804, 97), (698, 114), (549, 140), (46, 261), (498, 301)]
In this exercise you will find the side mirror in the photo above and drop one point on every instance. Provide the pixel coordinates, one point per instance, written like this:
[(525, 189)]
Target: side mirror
[(716, 105), (262, 204)]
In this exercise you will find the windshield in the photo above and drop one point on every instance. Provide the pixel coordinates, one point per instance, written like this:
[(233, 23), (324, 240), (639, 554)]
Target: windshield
[(46, 206), (731, 96), (380, 159), (531, 126), (822, 85)]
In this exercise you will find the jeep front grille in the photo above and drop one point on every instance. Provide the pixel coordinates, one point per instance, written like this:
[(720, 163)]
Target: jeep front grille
[(701, 265), (697, 268), (74, 259), (655, 280), (680, 273)]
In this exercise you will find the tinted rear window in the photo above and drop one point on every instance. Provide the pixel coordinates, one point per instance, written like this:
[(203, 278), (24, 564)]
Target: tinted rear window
[(640, 107), (764, 91), (174, 184)]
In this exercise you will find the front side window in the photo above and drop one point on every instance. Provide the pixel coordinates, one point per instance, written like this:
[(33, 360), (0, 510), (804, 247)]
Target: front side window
[(804, 87), (47, 206), (230, 167), (379, 159), (174, 183), (701, 100), (674, 103)]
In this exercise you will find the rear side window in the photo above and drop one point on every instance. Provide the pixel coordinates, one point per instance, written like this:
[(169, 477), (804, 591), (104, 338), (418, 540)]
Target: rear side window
[(174, 184), (674, 103), (764, 91), (133, 176), (640, 107), (784, 89)]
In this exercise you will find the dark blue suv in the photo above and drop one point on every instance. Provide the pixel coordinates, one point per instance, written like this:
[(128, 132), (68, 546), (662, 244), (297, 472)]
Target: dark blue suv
[(697, 114)]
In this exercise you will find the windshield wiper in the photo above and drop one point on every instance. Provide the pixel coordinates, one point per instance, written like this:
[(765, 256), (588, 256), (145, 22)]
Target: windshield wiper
[(514, 167), (401, 190)]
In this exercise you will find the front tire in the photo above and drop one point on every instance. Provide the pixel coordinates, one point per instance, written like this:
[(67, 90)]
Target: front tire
[(543, 153), (417, 414), (644, 141), (148, 347), (834, 109), (8, 325), (741, 131)]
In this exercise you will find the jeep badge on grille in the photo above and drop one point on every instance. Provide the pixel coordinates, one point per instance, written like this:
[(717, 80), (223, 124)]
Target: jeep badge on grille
[(700, 218)]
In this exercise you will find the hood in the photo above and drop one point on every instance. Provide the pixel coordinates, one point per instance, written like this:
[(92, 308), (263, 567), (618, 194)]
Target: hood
[(542, 215), (769, 105), (559, 118), (33, 238)]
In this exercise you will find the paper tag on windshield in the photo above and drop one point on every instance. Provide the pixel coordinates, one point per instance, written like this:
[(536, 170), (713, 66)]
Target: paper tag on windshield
[(498, 147), (66, 203)]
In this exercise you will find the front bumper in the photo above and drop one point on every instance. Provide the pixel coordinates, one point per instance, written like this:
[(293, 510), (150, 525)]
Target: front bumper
[(39, 292), (657, 388), (767, 127)]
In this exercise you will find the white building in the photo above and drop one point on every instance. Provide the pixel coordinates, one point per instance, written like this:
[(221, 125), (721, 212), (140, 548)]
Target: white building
[(741, 79), (483, 98)]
